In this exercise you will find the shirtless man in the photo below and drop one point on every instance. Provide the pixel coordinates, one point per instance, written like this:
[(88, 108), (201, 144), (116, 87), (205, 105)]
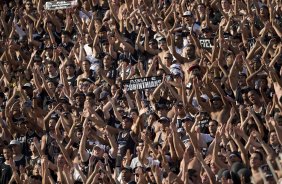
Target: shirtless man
[(218, 106)]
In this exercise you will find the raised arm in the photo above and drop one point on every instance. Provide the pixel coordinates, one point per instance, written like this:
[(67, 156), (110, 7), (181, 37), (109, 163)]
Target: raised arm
[(82, 148)]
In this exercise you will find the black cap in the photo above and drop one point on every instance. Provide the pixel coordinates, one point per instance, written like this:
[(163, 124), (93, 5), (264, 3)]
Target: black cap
[(103, 95), (179, 103), (127, 117), (235, 153), (64, 100), (188, 118), (87, 80), (78, 94), (127, 168), (163, 119)]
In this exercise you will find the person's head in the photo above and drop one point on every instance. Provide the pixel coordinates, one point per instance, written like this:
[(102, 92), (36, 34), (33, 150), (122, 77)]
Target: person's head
[(32, 147), (178, 40), (90, 98), (134, 114), (114, 89), (124, 62), (160, 24), (180, 108), (168, 59), (126, 122), (85, 86), (79, 99), (207, 32), (216, 102), (85, 65), (256, 160), (16, 147), (213, 167), (273, 139), (213, 124), (104, 97), (153, 44), (225, 4), (27, 89), (188, 17), (256, 62), (139, 146), (162, 44), (70, 69), (253, 96), (126, 174), (242, 79), (7, 152), (235, 157), (51, 67), (165, 122), (97, 23), (189, 51), (107, 61), (263, 11), (35, 179), (162, 110), (52, 122), (150, 175), (61, 160), (65, 37), (105, 45), (229, 59), (2, 97), (187, 122), (193, 175), (28, 6), (36, 170), (51, 85), (98, 151), (7, 66)]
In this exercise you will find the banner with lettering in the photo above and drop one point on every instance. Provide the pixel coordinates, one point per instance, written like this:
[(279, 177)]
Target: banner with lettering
[(141, 83), (57, 5), (205, 43)]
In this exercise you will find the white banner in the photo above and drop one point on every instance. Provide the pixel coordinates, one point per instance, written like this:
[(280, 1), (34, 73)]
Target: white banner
[(58, 5)]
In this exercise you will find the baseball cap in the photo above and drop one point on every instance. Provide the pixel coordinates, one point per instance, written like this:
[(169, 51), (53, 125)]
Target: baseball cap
[(235, 153), (127, 117), (127, 168), (27, 85), (163, 119), (179, 103), (78, 94), (187, 14), (103, 95), (216, 97), (187, 118), (192, 67), (99, 146), (15, 142)]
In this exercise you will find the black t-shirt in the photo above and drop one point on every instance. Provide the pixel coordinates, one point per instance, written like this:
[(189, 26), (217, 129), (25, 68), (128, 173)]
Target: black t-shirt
[(6, 173), (72, 81), (125, 142), (67, 46), (21, 162)]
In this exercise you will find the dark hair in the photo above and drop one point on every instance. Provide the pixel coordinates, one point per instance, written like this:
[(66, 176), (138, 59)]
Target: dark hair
[(36, 177), (52, 63), (134, 110), (91, 95), (216, 122), (67, 33), (260, 155), (7, 147)]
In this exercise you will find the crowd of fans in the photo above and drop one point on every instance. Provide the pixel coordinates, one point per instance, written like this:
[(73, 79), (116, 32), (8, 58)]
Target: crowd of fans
[(67, 117)]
